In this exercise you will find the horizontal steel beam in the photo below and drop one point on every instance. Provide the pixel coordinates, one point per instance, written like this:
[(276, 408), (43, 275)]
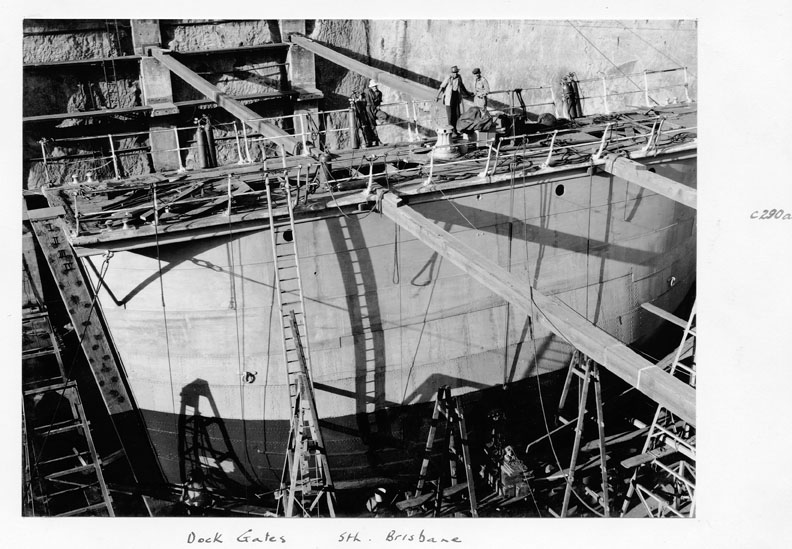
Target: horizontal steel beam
[(668, 391), (290, 143), (418, 91), (632, 171)]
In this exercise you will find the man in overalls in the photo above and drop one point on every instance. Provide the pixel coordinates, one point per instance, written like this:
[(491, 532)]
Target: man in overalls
[(481, 90), (452, 90)]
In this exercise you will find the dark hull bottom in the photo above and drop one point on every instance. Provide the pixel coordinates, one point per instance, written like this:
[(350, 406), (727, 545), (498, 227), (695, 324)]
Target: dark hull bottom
[(245, 458)]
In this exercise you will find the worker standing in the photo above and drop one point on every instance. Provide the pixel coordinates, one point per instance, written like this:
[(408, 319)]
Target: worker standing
[(481, 90), (373, 98), (452, 90)]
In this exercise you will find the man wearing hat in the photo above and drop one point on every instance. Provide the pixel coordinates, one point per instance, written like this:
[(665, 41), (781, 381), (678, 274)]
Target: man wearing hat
[(373, 98), (480, 90), (452, 90)]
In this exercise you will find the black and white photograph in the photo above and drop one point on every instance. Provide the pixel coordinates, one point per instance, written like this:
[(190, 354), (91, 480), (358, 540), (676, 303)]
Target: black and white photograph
[(419, 271)]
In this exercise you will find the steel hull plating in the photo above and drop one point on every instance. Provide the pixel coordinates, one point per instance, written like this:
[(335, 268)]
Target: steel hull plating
[(389, 321)]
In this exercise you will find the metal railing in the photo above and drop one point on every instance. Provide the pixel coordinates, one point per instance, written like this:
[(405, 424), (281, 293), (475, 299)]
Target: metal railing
[(111, 156)]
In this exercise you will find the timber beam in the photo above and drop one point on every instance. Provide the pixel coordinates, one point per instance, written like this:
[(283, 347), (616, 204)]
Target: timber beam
[(636, 173), (250, 118), (668, 391), (414, 89)]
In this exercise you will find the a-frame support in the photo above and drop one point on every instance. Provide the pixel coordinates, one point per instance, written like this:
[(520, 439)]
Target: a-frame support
[(449, 408), (587, 370)]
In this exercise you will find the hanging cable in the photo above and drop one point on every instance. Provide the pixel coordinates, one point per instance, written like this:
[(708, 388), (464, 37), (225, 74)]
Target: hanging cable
[(162, 293), (609, 60)]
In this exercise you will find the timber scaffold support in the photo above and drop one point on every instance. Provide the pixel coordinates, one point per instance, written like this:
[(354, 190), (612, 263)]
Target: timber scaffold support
[(668, 391)]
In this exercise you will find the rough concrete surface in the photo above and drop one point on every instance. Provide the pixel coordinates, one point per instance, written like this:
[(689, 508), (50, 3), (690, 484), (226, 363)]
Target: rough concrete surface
[(511, 54)]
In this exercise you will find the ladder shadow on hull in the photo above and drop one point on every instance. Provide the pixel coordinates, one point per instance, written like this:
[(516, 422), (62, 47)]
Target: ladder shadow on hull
[(204, 443), (370, 359)]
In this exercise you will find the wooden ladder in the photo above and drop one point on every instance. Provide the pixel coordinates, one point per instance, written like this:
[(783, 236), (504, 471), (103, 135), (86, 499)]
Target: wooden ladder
[(306, 479), (306, 466), (288, 287), (62, 466), (587, 371), (670, 447), (448, 407)]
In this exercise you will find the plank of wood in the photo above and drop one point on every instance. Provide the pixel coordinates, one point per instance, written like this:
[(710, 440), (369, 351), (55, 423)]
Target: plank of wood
[(249, 117), (665, 315), (636, 173), (412, 503), (612, 354), (615, 439), (646, 457)]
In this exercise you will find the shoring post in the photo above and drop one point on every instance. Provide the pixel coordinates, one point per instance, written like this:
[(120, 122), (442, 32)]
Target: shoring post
[(553, 99), (353, 138), (248, 158), (181, 169), (570, 476), (283, 155), (301, 118), (76, 214), (687, 91), (605, 93), (228, 211), (297, 185), (603, 142), (415, 120), (431, 167), (42, 141), (657, 135), (409, 127), (238, 144), (601, 435), (370, 184), (546, 163), (115, 158), (489, 157), (646, 89), (154, 199), (651, 136)]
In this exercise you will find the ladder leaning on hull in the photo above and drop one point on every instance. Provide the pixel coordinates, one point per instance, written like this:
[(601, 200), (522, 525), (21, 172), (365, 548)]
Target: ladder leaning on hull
[(63, 471), (306, 473), (669, 489)]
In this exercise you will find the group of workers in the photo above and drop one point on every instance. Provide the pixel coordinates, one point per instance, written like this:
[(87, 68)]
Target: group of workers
[(452, 91)]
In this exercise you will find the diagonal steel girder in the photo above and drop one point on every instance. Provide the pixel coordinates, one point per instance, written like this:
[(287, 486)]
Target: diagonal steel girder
[(668, 391), (248, 117), (413, 89)]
